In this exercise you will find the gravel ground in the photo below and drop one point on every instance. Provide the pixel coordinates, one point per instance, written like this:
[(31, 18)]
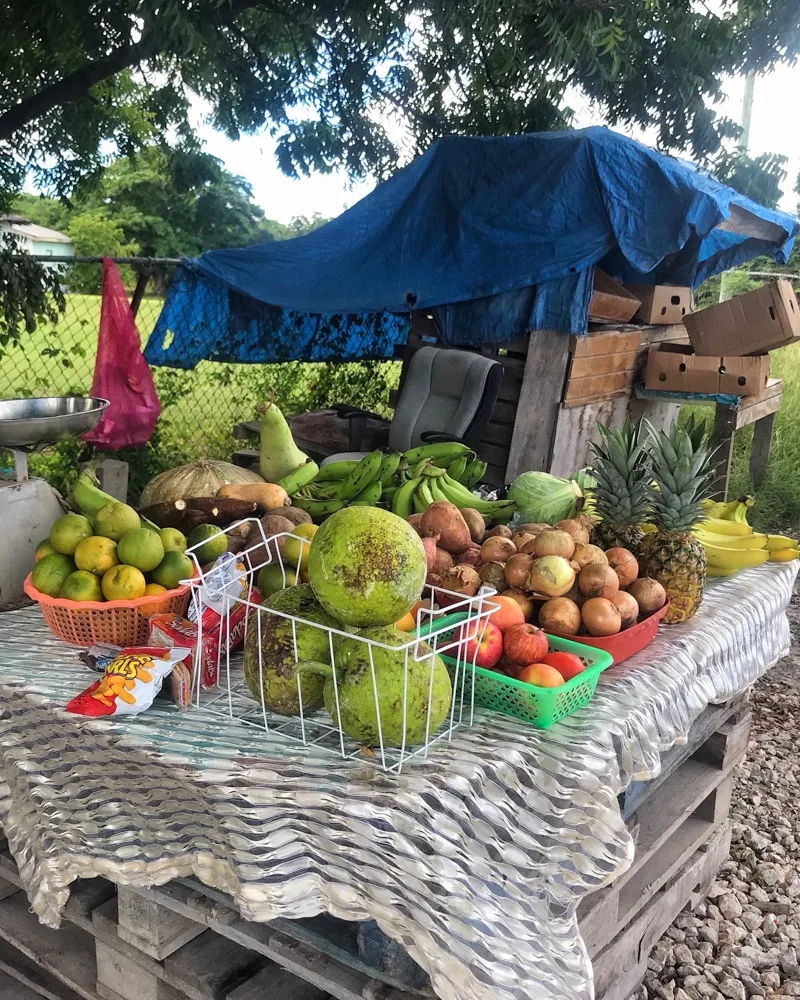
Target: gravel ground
[(744, 939)]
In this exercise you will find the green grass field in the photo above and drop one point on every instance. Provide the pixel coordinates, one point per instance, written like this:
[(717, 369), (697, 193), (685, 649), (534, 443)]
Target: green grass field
[(200, 407)]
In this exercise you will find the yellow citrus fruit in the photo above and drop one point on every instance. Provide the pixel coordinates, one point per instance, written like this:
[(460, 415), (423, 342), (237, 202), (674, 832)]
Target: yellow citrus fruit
[(214, 543), (96, 555), (81, 586), (406, 624), (295, 550), (154, 588), (172, 539), (270, 579), (124, 583), (50, 572), (44, 548), (116, 519), (141, 548), (173, 568), (69, 531)]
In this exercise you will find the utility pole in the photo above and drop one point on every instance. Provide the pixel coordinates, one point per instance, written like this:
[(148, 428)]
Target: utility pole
[(747, 110)]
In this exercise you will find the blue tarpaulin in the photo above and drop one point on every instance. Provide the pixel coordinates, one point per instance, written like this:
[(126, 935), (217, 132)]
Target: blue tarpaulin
[(495, 236)]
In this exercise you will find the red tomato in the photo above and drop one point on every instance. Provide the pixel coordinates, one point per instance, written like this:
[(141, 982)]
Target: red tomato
[(567, 664)]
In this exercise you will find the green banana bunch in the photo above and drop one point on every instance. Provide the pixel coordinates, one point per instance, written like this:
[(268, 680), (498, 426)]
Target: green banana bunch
[(318, 508), (441, 452), (367, 471), (457, 468), (301, 476)]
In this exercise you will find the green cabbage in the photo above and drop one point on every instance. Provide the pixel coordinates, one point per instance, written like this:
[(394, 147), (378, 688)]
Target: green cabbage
[(585, 479), (542, 497)]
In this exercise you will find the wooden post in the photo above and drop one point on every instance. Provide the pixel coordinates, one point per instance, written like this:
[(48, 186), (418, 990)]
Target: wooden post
[(139, 290), (722, 446), (539, 402), (762, 442), (153, 928), (113, 478)]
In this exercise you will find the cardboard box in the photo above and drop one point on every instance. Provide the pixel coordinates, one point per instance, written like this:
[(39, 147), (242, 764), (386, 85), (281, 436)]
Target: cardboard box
[(753, 323), (676, 368), (610, 300), (662, 304)]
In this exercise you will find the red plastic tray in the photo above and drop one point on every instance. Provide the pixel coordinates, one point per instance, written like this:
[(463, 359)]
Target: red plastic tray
[(623, 644)]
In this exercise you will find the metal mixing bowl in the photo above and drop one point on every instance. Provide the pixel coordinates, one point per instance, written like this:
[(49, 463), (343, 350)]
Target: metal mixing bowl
[(28, 422)]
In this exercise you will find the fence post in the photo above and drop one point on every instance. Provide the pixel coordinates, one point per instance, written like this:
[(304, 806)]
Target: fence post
[(139, 290), (113, 478)]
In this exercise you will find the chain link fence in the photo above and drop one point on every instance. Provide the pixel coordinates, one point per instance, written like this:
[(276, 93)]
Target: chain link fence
[(200, 407)]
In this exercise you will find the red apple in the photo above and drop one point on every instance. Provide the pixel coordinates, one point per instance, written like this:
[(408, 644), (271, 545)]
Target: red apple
[(525, 644), (541, 675), (567, 664), (482, 644)]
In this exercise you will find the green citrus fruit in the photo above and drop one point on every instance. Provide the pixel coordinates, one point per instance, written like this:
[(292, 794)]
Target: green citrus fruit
[(50, 572), (68, 531), (295, 550), (116, 519), (96, 554), (214, 543), (270, 579), (173, 540), (141, 548), (153, 589), (124, 583), (81, 586), (44, 548), (173, 568)]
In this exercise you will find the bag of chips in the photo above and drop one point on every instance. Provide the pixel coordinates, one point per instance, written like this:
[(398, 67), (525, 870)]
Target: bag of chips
[(130, 682)]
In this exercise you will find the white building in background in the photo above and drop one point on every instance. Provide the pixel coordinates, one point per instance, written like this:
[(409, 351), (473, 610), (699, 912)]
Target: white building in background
[(35, 239)]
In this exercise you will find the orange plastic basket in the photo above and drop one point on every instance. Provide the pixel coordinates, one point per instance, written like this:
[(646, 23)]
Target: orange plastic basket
[(121, 623)]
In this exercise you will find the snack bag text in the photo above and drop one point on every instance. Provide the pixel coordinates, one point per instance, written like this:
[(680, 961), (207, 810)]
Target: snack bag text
[(129, 684)]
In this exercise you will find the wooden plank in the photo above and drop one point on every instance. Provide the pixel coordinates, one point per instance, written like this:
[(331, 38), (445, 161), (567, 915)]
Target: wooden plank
[(67, 954), (275, 983), (757, 410), (12, 989), (30, 974), (722, 447), (596, 387), (762, 443), (119, 977), (603, 364), (154, 929), (614, 343), (577, 427), (540, 395)]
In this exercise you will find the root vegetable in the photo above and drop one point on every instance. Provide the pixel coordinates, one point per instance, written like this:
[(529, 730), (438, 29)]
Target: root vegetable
[(429, 544), (272, 525), (598, 581), (493, 574), (433, 580), (415, 521), (585, 555), (521, 598), (462, 580), (627, 606), (553, 543), (442, 563), (520, 538), (471, 556), (560, 615), (502, 530), (518, 569), (551, 575), (601, 617), (575, 528), (497, 549), (475, 523), (293, 514), (649, 595), (444, 519), (624, 564), (265, 495)]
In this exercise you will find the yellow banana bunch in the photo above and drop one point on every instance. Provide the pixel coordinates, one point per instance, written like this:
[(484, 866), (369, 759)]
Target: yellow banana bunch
[(731, 544)]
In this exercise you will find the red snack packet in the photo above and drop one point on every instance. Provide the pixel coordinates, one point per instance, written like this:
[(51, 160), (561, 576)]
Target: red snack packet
[(129, 684)]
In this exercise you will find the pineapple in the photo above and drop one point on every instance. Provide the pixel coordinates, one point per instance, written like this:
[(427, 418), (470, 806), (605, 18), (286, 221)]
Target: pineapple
[(623, 492), (683, 472)]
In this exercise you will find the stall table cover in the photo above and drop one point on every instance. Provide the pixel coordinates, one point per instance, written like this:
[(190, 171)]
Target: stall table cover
[(475, 859)]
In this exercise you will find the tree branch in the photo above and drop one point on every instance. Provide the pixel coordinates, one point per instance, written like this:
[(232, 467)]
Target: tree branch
[(77, 85)]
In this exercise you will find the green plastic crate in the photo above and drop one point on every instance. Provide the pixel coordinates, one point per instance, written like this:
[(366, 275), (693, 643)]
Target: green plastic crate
[(541, 707)]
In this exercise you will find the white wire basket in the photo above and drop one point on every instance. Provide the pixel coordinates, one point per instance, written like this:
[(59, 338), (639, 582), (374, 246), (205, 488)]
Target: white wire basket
[(442, 627)]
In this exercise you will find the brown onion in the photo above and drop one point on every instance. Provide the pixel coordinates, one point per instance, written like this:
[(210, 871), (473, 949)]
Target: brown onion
[(502, 531), (560, 615), (585, 555), (627, 606), (574, 527), (518, 570), (624, 564), (444, 519), (462, 580), (598, 581), (519, 538), (442, 563), (493, 574), (649, 594), (601, 617), (551, 575), (575, 595), (475, 523), (553, 543), (497, 548), (522, 599), (535, 527)]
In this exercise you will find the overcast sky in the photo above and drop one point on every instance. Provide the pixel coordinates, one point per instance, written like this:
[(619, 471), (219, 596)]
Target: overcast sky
[(774, 130)]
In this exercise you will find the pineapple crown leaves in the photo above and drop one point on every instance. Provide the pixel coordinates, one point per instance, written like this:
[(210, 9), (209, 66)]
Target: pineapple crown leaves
[(621, 467), (683, 470)]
